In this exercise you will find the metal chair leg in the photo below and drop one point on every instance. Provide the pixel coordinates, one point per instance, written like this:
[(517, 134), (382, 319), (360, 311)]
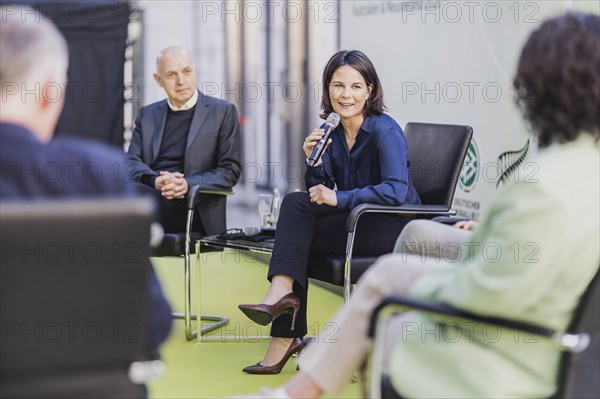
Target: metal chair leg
[(187, 315), (191, 334), (219, 321), (348, 266)]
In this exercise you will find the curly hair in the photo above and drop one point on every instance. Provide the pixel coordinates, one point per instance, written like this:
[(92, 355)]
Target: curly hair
[(359, 61), (558, 78)]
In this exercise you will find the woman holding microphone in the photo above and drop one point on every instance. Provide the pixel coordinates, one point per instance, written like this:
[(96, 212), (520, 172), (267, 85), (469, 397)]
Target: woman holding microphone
[(365, 161)]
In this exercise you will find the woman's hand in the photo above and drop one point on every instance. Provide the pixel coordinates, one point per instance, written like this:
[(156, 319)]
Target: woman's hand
[(311, 141), (322, 195)]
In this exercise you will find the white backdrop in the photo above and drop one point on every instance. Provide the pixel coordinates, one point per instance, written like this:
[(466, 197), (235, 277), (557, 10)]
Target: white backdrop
[(453, 62)]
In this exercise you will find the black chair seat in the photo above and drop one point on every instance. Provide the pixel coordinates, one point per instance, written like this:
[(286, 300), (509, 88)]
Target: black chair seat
[(434, 171), (61, 291), (173, 244), (331, 269)]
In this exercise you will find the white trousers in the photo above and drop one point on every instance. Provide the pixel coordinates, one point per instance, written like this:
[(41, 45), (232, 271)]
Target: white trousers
[(338, 352)]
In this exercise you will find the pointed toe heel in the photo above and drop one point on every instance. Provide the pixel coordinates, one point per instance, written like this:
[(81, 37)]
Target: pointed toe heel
[(259, 368), (264, 314)]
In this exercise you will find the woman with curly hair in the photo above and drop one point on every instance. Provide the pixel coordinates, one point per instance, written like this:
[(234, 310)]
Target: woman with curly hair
[(554, 222)]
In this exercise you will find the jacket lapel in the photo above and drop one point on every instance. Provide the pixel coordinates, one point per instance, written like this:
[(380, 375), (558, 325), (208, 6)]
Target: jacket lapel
[(160, 118), (200, 114)]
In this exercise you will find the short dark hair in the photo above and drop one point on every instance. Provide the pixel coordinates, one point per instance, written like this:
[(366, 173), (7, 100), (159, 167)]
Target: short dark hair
[(558, 78), (359, 61)]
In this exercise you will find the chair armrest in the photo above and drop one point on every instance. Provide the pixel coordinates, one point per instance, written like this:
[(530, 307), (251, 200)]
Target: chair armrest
[(572, 342), (193, 196), (450, 220), (358, 211)]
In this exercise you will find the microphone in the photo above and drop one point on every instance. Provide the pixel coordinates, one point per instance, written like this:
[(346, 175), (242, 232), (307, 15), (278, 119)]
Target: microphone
[(331, 123)]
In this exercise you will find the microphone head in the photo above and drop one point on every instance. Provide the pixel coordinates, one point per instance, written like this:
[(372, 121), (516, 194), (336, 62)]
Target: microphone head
[(333, 119)]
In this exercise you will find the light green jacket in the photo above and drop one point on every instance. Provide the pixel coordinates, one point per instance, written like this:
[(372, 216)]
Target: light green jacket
[(538, 248)]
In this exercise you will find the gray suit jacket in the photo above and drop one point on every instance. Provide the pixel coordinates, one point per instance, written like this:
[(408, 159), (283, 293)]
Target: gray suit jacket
[(212, 155)]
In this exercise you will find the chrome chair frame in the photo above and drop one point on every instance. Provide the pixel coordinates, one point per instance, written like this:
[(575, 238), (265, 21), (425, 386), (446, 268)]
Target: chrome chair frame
[(572, 342), (193, 198), (464, 134)]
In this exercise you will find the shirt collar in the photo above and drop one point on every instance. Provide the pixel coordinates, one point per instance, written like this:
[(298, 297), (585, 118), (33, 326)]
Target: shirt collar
[(367, 125), (188, 105)]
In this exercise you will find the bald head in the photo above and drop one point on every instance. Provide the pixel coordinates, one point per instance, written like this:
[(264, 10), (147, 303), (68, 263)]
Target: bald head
[(176, 74), (33, 68), (169, 53)]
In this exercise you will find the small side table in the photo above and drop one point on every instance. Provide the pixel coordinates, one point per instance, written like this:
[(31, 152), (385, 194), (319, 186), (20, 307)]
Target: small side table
[(265, 247)]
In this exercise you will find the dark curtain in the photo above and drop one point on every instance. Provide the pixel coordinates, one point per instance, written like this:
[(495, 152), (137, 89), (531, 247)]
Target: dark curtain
[(96, 32)]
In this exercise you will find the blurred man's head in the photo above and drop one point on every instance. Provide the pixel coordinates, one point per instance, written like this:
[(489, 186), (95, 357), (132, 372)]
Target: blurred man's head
[(33, 70), (176, 73), (558, 78)]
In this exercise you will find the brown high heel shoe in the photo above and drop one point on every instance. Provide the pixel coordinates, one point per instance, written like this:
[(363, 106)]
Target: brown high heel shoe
[(258, 368), (264, 314)]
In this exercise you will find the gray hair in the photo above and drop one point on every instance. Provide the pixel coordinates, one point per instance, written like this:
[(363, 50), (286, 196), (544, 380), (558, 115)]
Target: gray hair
[(30, 45)]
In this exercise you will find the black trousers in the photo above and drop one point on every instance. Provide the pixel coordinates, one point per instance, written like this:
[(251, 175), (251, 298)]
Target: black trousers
[(171, 214), (308, 231)]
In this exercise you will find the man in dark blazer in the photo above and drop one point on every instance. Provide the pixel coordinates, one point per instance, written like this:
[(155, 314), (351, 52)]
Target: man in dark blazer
[(185, 140), (33, 70)]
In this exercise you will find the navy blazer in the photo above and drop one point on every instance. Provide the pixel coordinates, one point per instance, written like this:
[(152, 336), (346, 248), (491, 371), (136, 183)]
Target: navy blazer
[(73, 168), (212, 151)]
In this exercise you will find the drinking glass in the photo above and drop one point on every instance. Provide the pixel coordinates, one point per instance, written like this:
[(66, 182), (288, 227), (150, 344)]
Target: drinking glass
[(264, 210)]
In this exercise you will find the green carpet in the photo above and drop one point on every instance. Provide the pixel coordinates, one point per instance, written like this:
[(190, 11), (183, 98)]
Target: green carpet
[(212, 369)]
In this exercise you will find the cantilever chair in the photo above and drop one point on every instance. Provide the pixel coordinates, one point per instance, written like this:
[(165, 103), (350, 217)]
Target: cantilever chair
[(579, 365), (183, 244), (436, 153), (73, 279)]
